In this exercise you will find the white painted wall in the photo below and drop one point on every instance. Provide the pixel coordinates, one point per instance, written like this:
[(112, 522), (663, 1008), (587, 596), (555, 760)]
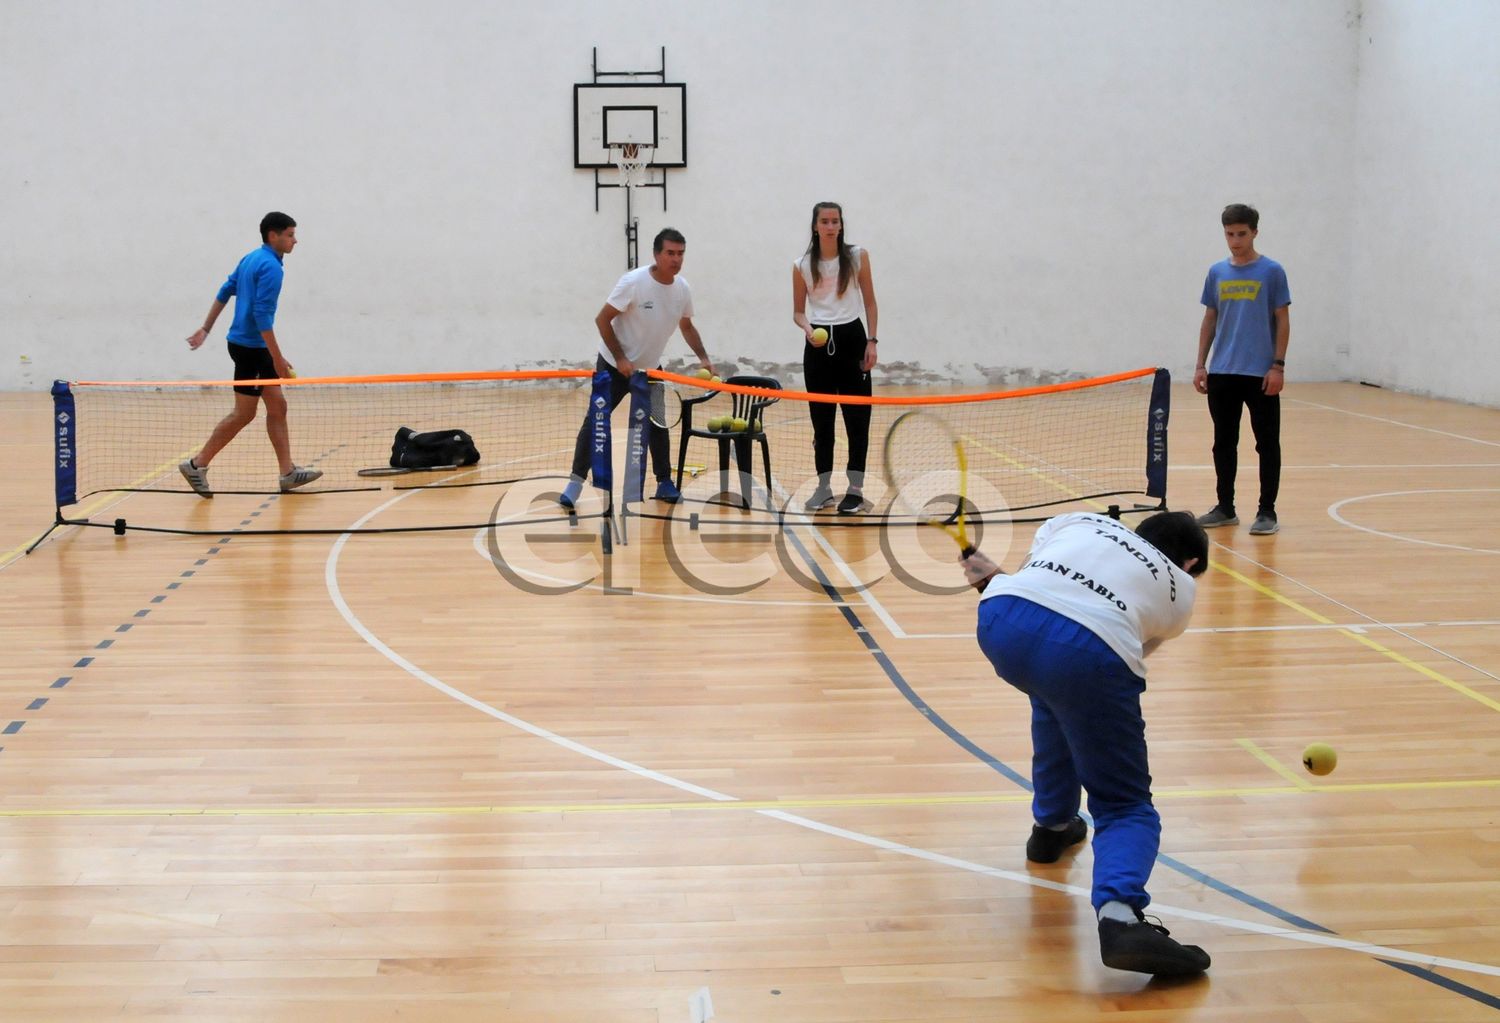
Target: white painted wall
[(1425, 309), (1039, 183)]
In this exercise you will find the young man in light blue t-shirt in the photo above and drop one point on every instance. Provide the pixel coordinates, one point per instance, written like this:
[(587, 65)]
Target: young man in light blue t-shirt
[(1246, 327)]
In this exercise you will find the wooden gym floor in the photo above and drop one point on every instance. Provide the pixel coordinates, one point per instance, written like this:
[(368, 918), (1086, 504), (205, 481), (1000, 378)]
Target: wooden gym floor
[(372, 778)]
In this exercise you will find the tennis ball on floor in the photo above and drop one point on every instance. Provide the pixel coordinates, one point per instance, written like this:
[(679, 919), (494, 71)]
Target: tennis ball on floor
[(703, 373), (738, 425), (1320, 758), (819, 337)]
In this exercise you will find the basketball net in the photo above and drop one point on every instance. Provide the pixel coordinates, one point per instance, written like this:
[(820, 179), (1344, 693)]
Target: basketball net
[(632, 159)]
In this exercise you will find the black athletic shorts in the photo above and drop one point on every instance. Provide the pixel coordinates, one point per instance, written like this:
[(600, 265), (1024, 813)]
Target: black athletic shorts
[(251, 364)]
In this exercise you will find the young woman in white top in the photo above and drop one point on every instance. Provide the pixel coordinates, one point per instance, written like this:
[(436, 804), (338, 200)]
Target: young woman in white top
[(831, 290)]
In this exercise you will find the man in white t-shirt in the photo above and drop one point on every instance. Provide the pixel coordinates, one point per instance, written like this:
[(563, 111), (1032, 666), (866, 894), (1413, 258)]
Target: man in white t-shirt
[(1071, 628), (645, 307)]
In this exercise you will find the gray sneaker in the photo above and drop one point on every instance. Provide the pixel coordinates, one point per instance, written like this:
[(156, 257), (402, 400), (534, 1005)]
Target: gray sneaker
[(821, 498), (197, 478), (299, 477), (1217, 517), (1265, 524)]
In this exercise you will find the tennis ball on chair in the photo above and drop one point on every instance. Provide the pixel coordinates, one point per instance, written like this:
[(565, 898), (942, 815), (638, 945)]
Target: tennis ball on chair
[(703, 373), (716, 424), (1320, 758), (738, 425), (819, 337)]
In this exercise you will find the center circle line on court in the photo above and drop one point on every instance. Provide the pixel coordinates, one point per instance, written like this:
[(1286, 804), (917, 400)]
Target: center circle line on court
[(1335, 513), (872, 841)]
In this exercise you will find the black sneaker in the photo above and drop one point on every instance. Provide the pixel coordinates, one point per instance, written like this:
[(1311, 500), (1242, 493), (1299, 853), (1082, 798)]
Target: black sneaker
[(852, 504), (1046, 845), (1144, 947)]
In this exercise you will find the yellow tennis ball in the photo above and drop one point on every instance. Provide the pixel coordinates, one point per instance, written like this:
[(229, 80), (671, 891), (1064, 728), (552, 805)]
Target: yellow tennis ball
[(1319, 758), (819, 337), (716, 423), (738, 425), (291, 373), (715, 379), (703, 373)]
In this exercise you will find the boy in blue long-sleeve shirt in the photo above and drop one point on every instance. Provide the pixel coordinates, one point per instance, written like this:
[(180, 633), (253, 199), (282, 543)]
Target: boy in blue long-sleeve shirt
[(255, 286)]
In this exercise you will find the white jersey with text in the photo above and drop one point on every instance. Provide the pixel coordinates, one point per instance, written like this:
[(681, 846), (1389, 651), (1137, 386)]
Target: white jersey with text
[(649, 312), (1098, 572)]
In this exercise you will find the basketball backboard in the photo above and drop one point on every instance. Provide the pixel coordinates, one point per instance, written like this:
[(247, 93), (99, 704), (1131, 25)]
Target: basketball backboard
[(646, 114)]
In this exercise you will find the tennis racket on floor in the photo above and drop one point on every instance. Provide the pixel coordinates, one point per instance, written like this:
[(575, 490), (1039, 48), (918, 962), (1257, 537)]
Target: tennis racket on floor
[(391, 470), (928, 474)]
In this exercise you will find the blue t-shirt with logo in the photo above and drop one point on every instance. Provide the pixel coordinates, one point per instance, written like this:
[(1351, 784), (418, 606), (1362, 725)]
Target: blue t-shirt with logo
[(255, 286), (1246, 298)]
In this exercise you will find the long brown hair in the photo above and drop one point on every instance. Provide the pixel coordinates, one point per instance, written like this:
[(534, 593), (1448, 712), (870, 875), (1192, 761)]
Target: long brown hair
[(815, 253)]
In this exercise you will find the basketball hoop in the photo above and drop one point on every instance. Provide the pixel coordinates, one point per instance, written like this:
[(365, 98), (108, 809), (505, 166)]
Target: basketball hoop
[(632, 159)]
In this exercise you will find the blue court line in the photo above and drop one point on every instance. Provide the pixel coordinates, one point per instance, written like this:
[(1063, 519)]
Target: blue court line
[(894, 674), (105, 644), (1482, 997)]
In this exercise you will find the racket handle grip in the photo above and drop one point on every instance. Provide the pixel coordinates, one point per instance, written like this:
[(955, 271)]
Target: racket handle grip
[(969, 550)]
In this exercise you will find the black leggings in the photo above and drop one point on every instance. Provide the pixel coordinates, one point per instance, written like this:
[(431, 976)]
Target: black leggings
[(1227, 394), (657, 439), (834, 369)]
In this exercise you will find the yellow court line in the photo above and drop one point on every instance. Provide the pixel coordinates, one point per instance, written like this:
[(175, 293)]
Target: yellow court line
[(1380, 648), (1274, 764), (99, 501), (1266, 591), (1039, 474), (1300, 788)]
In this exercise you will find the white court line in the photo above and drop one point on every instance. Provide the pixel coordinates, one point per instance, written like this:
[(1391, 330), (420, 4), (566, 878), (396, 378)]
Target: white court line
[(1333, 512), (330, 576), (1393, 422), (1370, 619)]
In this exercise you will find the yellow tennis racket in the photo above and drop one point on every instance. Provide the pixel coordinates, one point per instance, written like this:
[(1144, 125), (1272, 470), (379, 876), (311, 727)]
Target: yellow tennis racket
[(928, 474)]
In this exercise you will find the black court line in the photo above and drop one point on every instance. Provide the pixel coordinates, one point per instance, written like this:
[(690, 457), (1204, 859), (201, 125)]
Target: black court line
[(925, 709)]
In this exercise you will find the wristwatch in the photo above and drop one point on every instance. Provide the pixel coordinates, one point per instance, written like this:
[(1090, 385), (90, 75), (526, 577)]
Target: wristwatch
[(1278, 362), (873, 340)]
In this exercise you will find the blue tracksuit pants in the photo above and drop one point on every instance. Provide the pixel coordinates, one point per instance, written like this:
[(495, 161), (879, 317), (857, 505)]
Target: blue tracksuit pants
[(1086, 730)]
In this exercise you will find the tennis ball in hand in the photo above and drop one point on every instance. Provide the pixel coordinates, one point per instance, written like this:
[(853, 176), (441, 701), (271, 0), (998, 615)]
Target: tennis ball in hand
[(703, 373), (1320, 758), (291, 371), (819, 337)]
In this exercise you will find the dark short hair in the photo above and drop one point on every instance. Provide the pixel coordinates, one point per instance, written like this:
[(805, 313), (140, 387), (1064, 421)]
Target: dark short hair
[(1178, 536), (1239, 213), (667, 234), (276, 222)]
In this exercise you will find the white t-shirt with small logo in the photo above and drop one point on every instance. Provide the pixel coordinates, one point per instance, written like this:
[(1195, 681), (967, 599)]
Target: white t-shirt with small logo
[(649, 312), (1098, 572)]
